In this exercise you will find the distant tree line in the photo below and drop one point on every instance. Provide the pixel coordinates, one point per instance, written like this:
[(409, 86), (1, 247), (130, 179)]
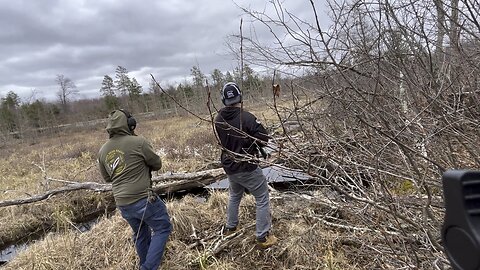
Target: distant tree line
[(33, 117)]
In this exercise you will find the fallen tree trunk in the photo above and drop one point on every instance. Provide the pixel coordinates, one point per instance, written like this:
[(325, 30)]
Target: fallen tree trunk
[(186, 181), (162, 184)]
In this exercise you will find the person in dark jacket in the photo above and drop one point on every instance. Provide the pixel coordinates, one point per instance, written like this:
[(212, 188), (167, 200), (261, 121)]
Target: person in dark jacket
[(241, 136), (126, 161)]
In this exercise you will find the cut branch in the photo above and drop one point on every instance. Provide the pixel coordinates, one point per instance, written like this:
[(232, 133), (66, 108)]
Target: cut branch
[(182, 181)]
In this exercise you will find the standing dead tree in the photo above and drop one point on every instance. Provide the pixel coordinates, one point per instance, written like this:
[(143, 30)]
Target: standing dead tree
[(66, 90), (388, 103)]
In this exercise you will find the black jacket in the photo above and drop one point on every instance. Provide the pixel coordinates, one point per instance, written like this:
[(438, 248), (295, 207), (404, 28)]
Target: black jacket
[(227, 126)]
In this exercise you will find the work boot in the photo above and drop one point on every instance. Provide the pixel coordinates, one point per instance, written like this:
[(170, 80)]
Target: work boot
[(266, 241), (228, 231)]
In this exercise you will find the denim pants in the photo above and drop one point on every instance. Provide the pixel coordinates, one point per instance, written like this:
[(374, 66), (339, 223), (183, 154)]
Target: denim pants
[(256, 183), (145, 217)]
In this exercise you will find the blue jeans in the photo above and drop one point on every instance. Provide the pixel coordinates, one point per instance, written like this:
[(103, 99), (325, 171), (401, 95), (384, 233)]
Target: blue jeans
[(145, 217), (256, 183)]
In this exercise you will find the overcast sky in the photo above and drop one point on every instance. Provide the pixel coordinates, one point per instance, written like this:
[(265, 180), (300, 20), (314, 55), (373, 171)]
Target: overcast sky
[(87, 39)]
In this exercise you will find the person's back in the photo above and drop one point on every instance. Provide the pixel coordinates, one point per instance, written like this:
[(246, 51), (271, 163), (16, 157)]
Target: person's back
[(126, 160), (241, 135), (240, 141)]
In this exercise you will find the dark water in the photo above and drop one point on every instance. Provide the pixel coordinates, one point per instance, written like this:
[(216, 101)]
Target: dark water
[(10, 252)]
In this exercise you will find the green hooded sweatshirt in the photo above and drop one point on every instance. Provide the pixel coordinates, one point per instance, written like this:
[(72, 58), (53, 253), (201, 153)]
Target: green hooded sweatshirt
[(126, 160)]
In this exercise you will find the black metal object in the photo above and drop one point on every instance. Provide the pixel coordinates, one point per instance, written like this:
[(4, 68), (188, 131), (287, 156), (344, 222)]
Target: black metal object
[(264, 154), (461, 227)]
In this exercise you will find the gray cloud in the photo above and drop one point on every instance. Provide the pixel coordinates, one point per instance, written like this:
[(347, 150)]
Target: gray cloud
[(86, 39)]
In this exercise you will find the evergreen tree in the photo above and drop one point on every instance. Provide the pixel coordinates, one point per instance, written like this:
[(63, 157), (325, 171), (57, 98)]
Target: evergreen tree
[(134, 89), (8, 111), (251, 80), (186, 90), (34, 113), (229, 77), (108, 87), (217, 78), (198, 77), (237, 76), (108, 93), (134, 94), (122, 81), (11, 101)]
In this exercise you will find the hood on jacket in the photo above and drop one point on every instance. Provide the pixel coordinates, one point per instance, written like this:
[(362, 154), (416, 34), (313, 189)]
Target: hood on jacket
[(229, 112), (117, 124)]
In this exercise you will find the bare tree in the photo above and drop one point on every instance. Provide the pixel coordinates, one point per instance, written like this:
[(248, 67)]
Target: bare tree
[(67, 90)]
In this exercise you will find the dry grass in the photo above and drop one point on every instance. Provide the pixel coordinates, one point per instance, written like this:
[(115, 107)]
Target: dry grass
[(72, 156), (302, 245), (185, 144), (68, 157)]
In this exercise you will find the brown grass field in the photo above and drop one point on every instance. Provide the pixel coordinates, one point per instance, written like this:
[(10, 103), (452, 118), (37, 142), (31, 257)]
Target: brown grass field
[(108, 245), (185, 144)]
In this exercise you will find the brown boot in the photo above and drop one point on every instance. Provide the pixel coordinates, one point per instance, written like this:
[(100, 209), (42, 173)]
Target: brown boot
[(267, 241)]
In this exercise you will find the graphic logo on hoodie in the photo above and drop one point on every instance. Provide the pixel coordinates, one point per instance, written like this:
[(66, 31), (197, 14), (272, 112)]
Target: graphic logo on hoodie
[(115, 161)]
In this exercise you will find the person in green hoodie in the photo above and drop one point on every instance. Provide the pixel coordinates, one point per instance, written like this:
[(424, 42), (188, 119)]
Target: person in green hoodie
[(126, 161)]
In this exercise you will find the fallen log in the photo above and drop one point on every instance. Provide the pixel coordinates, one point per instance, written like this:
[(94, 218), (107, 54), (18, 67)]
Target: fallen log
[(186, 181), (162, 184)]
